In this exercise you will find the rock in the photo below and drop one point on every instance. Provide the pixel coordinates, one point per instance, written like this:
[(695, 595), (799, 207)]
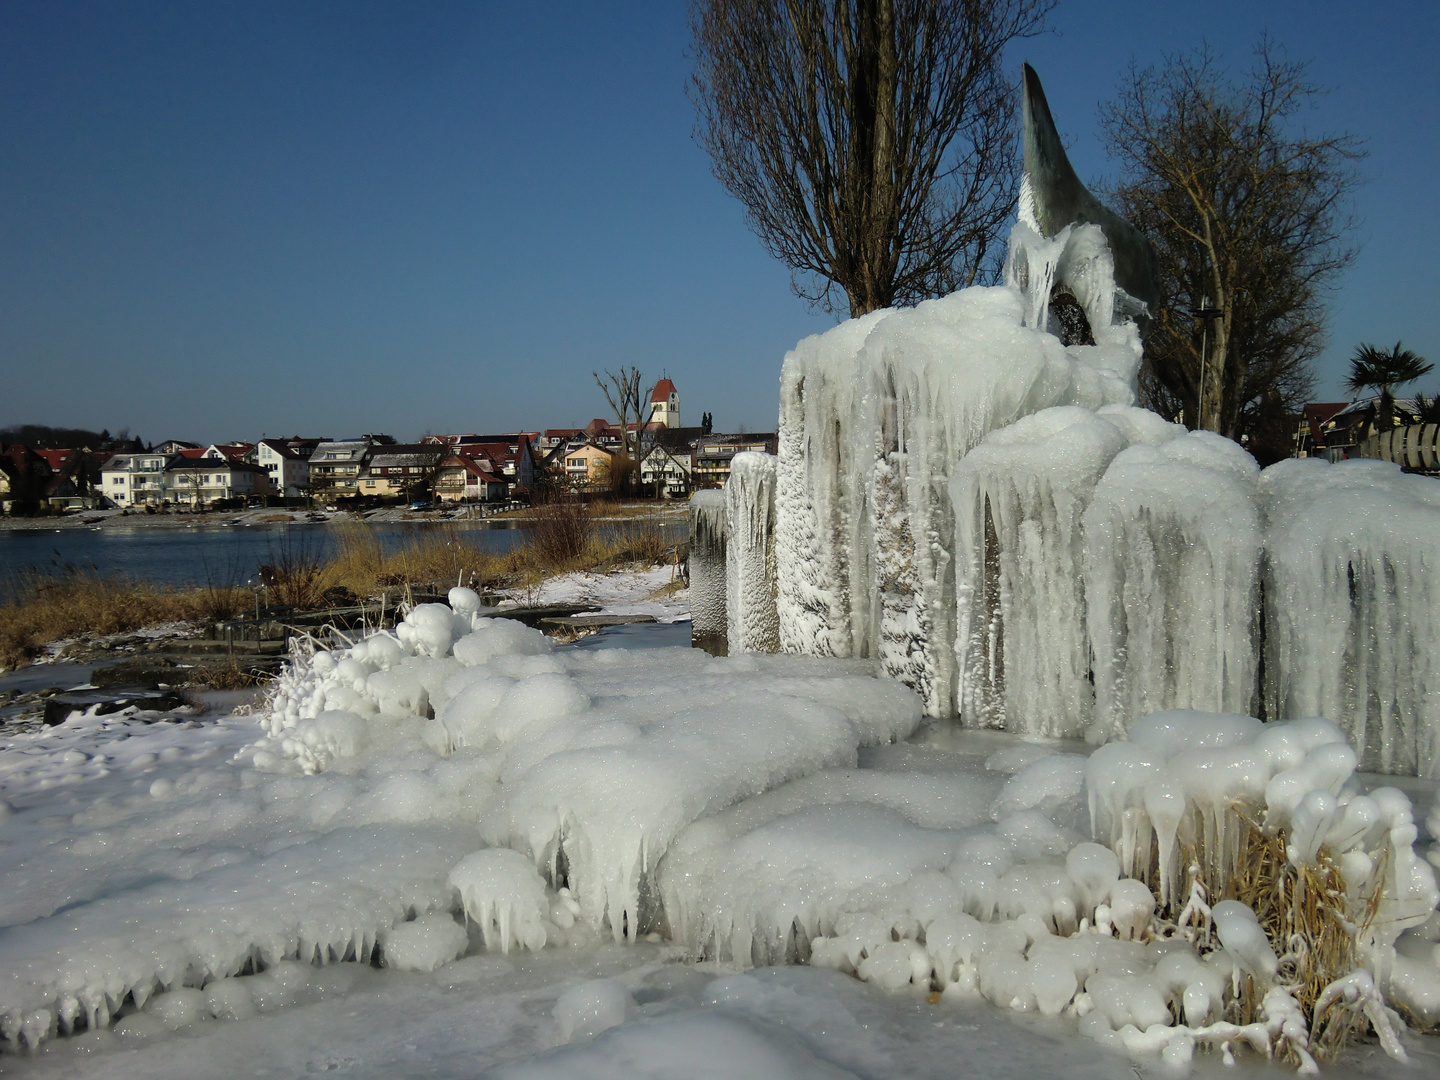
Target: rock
[(58, 706)]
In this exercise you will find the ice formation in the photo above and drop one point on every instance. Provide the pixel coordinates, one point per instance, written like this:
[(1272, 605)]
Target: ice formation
[(1171, 580), (874, 416), (1028, 914), (716, 801), (1019, 498), (977, 507), (707, 564), (750, 555), (1352, 613)]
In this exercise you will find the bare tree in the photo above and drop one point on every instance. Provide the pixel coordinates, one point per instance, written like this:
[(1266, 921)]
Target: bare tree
[(622, 391), (871, 141), (193, 475), (1249, 220)]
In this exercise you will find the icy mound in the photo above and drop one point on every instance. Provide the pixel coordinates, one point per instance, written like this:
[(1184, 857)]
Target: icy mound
[(600, 759), (866, 876), (186, 861), (320, 901), (1352, 594)]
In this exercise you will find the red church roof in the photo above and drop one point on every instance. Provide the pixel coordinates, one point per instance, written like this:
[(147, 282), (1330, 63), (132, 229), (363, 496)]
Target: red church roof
[(663, 389)]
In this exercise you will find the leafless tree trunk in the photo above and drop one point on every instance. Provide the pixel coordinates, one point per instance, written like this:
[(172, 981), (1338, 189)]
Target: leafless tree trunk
[(1248, 216), (622, 391), (872, 142)]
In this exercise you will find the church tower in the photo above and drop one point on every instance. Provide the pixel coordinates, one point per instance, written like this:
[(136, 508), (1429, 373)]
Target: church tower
[(665, 404)]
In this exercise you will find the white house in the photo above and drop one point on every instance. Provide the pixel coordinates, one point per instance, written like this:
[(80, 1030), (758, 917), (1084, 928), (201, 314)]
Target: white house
[(134, 479), (287, 463), (201, 481), (667, 469)]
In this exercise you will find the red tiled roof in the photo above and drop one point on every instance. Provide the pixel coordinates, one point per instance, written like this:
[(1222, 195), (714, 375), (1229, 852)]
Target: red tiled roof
[(663, 389), (57, 459), (474, 466)]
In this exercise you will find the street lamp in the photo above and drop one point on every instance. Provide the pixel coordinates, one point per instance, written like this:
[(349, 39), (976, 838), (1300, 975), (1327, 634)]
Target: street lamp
[(1204, 313)]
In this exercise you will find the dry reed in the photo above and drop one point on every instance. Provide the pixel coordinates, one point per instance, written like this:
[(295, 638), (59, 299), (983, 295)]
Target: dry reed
[(1305, 912), (52, 607), (48, 608)]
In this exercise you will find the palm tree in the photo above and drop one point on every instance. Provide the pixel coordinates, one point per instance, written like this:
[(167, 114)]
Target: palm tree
[(1375, 369)]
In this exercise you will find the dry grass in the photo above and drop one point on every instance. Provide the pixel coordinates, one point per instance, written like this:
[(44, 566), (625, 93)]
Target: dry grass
[(559, 532), (50, 607), (84, 603), (1305, 912), (563, 537)]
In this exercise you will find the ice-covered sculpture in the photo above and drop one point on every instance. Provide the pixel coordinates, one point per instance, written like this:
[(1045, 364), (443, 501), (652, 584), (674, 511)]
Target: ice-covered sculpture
[(1052, 200), (965, 493)]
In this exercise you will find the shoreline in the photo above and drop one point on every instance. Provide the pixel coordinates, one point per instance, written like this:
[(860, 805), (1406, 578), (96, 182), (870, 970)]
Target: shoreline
[(277, 516)]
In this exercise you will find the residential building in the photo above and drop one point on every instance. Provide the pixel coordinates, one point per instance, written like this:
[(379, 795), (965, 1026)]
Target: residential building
[(74, 477), (1310, 428), (174, 446), (711, 466), (551, 438), (287, 462), (1347, 428), (199, 480), (587, 467), (335, 468), (666, 471), (462, 478), (512, 454), (130, 480), (403, 469), (232, 451), (667, 458), (24, 474)]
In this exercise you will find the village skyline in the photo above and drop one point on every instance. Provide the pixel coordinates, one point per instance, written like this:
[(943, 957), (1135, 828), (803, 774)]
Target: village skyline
[(283, 221)]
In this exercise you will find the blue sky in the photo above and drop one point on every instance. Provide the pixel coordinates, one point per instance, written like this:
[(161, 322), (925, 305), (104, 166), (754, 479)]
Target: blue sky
[(226, 220)]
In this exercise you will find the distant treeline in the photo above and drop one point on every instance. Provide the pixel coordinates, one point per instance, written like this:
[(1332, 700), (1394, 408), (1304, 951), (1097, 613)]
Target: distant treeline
[(41, 437)]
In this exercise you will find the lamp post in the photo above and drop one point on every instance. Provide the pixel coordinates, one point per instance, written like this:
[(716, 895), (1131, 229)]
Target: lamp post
[(1204, 313)]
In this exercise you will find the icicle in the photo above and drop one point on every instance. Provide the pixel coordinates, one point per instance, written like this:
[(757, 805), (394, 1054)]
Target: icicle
[(750, 561), (707, 564)]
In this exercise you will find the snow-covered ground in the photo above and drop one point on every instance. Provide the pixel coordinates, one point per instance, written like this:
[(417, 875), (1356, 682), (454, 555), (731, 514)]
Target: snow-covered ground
[(460, 849), (625, 592)]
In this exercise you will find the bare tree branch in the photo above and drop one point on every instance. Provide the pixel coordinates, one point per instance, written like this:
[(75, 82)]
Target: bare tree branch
[(1248, 215), (871, 141)]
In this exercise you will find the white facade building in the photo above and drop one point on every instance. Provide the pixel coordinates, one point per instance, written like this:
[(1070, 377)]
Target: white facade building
[(134, 479), (202, 481), (287, 463)]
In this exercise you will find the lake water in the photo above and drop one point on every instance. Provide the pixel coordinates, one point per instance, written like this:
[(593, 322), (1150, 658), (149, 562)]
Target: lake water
[(218, 555)]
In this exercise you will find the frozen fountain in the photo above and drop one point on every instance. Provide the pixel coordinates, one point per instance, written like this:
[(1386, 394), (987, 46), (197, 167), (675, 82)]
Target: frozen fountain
[(966, 493)]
